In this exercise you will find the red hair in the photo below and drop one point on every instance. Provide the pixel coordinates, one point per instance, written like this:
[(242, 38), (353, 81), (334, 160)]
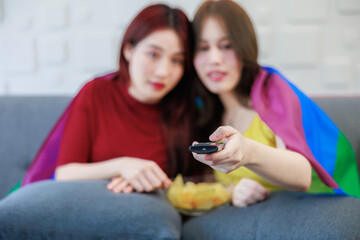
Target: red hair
[(150, 19), (178, 106)]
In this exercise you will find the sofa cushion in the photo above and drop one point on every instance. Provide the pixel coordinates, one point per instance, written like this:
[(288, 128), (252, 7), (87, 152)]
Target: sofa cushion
[(86, 210), (283, 216)]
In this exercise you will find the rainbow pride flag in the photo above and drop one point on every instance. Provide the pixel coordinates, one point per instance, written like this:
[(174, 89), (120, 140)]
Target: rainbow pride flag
[(306, 129), (291, 115)]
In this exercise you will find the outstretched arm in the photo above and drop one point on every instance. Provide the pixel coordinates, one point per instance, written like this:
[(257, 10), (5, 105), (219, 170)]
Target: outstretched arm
[(281, 167)]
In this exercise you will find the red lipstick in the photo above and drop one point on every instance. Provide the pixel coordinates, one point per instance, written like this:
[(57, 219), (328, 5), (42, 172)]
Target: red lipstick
[(157, 86)]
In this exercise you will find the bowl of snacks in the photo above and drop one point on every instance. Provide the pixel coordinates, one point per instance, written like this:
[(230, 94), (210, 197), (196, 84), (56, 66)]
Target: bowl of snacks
[(195, 199)]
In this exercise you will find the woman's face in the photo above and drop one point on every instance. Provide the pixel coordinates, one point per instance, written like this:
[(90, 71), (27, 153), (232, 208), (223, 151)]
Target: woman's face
[(156, 65), (215, 60)]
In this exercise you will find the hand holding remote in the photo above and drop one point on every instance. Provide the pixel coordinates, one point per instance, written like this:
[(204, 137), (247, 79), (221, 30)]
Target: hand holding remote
[(233, 150)]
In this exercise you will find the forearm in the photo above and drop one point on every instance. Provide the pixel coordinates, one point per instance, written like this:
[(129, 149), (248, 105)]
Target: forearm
[(87, 171), (283, 168)]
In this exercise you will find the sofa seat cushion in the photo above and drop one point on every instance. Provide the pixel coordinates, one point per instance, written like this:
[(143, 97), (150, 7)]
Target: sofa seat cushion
[(284, 215), (85, 210)]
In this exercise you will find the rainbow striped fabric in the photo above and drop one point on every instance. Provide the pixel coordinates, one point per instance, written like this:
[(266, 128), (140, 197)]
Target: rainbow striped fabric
[(306, 129), (303, 126)]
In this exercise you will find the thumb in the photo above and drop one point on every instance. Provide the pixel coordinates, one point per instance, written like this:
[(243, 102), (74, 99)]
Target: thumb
[(222, 132)]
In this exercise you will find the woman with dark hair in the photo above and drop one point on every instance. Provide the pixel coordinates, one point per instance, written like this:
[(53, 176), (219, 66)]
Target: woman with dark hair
[(226, 63), (131, 127), (276, 139)]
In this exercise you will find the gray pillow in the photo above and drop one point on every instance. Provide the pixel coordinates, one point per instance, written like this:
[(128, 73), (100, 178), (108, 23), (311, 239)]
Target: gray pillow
[(85, 210)]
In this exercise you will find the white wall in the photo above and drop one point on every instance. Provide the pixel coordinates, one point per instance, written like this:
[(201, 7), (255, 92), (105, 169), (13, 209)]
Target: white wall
[(54, 46)]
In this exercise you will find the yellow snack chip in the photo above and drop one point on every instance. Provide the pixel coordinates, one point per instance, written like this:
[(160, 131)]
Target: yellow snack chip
[(200, 196)]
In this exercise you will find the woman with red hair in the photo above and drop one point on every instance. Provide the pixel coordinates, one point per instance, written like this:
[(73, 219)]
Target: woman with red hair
[(122, 130), (124, 125)]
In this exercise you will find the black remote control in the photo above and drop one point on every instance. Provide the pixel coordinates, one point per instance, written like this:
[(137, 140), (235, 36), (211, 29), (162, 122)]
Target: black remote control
[(207, 147)]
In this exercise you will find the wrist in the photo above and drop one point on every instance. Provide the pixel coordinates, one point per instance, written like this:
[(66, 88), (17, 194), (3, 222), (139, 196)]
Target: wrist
[(252, 147), (116, 166)]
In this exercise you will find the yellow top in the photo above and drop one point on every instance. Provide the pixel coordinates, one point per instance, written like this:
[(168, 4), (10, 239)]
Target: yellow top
[(260, 132)]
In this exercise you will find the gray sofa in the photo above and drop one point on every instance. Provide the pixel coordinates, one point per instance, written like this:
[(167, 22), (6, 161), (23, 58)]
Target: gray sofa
[(25, 122)]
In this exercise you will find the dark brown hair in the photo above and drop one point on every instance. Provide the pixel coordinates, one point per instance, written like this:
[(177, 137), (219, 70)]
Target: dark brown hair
[(243, 40), (177, 106)]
